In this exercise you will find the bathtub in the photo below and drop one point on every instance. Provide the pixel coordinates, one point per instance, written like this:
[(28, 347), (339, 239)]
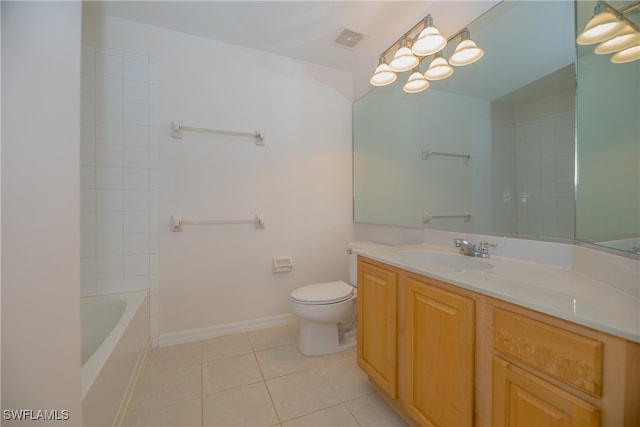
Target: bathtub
[(115, 341)]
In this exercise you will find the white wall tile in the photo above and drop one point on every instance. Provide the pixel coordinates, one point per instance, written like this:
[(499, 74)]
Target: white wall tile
[(109, 222), (136, 222), (136, 91), (87, 108), (109, 245), (136, 265), (137, 114), (88, 268), (136, 135), (109, 267), (136, 157), (136, 243), (136, 70), (88, 288), (88, 245), (87, 222), (87, 131), (109, 286), (87, 200), (108, 65), (88, 85), (136, 200), (109, 88), (88, 62), (109, 200), (136, 283), (108, 133), (108, 178), (108, 110), (87, 176), (87, 154), (108, 155), (136, 179)]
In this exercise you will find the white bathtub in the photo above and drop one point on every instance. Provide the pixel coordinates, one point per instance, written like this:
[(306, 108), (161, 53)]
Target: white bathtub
[(115, 341)]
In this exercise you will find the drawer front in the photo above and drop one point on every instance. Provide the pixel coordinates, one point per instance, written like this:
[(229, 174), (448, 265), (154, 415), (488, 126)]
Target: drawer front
[(566, 356)]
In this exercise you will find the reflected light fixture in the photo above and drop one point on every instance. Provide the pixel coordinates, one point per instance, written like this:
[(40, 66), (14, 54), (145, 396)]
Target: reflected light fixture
[(614, 33), (429, 41), (383, 75), (467, 52), (602, 26), (625, 39), (421, 42), (404, 59), (416, 82), (438, 69)]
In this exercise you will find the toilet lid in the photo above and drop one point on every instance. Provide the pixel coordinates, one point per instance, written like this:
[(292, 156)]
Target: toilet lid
[(323, 293)]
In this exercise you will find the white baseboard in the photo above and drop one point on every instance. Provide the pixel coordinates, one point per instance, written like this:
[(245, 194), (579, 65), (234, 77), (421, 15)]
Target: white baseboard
[(191, 335)]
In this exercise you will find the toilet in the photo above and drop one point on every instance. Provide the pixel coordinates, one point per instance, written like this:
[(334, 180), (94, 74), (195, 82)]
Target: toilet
[(328, 312)]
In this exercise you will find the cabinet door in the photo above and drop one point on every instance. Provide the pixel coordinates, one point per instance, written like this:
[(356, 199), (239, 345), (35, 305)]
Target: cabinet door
[(377, 333), (439, 352), (523, 399)]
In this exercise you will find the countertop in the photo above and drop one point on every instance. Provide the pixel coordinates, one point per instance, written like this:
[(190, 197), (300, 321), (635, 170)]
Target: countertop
[(561, 292)]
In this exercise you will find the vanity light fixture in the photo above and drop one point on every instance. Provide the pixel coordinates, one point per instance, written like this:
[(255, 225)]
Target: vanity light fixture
[(404, 59), (416, 82), (429, 41), (383, 75), (438, 69), (426, 42), (614, 33)]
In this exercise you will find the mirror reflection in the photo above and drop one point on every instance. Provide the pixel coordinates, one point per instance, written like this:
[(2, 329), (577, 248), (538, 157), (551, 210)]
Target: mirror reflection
[(503, 129)]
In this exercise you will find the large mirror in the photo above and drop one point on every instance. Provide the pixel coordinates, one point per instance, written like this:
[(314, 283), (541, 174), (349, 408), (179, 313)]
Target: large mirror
[(513, 113)]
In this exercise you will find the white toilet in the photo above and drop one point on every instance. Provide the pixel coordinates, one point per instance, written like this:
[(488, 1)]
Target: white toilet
[(328, 312)]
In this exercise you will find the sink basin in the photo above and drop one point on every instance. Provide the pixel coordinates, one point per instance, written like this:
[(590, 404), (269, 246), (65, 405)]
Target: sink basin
[(455, 261)]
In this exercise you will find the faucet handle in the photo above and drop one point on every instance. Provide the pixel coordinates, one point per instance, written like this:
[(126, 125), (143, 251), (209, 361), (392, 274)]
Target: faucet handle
[(458, 242), (484, 243)]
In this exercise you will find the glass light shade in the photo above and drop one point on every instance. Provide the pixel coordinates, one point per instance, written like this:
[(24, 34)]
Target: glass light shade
[(625, 39), (467, 52), (601, 27), (383, 75), (403, 60), (429, 42), (416, 83), (438, 69), (627, 55)]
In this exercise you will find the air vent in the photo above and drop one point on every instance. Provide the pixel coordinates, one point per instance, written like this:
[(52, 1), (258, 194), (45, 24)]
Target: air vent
[(348, 38)]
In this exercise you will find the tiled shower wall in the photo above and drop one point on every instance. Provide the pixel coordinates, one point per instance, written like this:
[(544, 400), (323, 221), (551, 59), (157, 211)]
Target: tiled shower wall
[(119, 197), (545, 175)]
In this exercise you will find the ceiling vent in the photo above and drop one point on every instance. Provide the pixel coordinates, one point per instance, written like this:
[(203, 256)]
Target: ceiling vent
[(348, 38)]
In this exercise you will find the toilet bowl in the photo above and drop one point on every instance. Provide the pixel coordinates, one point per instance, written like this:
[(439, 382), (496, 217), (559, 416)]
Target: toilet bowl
[(328, 312)]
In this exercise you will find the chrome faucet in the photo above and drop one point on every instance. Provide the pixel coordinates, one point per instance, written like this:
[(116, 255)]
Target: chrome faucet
[(469, 249)]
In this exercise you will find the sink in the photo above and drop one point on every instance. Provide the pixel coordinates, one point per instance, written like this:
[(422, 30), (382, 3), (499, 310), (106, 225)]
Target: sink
[(455, 261)]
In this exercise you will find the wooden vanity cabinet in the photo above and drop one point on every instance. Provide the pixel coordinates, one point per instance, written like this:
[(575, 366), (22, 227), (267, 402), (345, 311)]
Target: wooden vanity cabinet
[(438, 351), (446, 356), (377, 325)]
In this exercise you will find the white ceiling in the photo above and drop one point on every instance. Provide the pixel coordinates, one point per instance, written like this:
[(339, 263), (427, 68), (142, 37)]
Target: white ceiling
[(303, 30)]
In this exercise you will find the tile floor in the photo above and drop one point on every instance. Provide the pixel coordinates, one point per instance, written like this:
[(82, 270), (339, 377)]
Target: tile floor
[(255, 379)]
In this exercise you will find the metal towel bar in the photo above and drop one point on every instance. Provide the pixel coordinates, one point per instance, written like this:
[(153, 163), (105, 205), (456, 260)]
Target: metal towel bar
[(177, 222), (177, 129)]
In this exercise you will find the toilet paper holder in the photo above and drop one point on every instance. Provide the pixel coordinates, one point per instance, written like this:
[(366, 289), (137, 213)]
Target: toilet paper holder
[(282, 264)]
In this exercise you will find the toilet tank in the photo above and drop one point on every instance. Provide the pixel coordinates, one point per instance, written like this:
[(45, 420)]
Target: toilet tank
[(353, 258)]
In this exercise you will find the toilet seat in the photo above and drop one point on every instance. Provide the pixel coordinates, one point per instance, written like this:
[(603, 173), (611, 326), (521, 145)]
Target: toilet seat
[(323, 293)]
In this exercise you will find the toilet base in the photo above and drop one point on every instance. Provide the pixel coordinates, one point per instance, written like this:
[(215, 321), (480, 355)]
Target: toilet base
[(323, 338)]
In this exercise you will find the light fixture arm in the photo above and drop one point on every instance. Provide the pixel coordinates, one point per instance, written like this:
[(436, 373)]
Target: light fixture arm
[(602, 5)]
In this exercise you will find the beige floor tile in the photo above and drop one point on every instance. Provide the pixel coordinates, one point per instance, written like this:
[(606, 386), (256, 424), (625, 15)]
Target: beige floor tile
[(181, 413), (301, 393), (225, 346), (157, 388), (335, 416), (243, 406), (283, 360), (175, 356), (348, 353), (346, 378), (272, 337), (371, 410), (224, 374)]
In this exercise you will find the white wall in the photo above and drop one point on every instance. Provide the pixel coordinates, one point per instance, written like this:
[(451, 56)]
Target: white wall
[(300, 180), (40, 202)]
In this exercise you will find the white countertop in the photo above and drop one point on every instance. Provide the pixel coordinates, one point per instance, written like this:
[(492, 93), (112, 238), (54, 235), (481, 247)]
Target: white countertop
[(557, 291)]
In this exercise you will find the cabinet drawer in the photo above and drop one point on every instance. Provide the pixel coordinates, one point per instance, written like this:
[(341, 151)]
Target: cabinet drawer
[(566, 356)]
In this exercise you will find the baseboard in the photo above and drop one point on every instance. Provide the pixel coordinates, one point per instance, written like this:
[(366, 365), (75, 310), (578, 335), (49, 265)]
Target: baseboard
[(191, 335)]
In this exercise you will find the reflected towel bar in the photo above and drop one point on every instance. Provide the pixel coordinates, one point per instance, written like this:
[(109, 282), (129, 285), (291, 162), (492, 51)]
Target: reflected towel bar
[(177, 222), (177, 129), (426, 153), (426, 216)]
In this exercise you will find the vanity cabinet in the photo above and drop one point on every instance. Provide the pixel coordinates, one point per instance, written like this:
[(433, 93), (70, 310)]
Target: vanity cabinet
[(443, 355), (377, 325), (438, 354)]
